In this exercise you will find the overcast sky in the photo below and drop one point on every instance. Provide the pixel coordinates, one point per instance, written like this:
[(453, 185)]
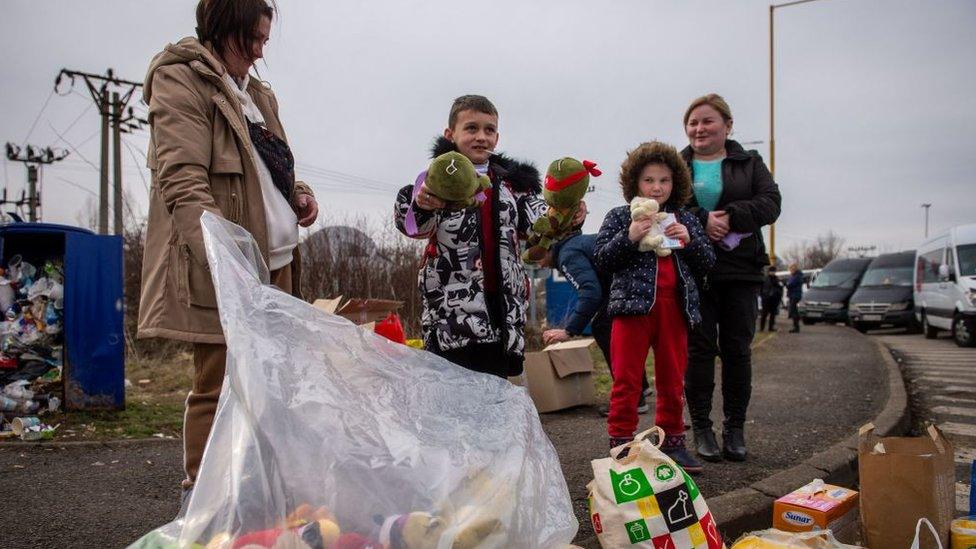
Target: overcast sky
[(874, 108)]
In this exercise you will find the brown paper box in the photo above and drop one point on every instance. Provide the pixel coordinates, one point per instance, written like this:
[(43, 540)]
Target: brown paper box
[(902, 480), (560, 376), (360, 311)]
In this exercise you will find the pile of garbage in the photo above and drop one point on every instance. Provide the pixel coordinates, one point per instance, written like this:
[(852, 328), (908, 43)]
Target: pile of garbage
[(31, 345)]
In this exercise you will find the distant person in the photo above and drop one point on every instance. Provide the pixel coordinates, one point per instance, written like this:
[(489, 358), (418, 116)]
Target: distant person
[(772, 298), (216, 144), (472, 282), (573, 256), (653, 300), (734, 197), (794, 292)]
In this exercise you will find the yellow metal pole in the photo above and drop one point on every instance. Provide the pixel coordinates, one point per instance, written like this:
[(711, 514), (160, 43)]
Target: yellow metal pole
[(772, 139)]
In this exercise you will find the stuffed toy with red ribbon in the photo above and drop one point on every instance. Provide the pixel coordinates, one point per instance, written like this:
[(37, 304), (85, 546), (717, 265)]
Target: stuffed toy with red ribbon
[(567, 181)]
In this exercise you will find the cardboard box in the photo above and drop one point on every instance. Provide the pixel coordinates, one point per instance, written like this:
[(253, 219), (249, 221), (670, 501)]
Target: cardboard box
[(824, 507), (360, 311), (560, 376)]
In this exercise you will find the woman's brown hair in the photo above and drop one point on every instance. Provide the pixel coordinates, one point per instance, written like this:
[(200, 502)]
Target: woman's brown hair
[(713, 100), (221, 20), (655, 152)]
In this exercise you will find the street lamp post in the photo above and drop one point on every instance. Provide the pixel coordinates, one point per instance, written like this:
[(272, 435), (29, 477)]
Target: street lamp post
[(926, 208), (772, 117)]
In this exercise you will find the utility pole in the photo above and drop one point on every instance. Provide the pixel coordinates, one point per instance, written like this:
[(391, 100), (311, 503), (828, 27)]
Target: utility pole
[(772, 115), (112, 106), (926, 208), (117, 149), (19, 204), (34, 158)]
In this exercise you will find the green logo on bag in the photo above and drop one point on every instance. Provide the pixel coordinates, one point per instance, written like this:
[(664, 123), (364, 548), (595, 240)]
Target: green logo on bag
[(630, 485), (637, 531), (664, 472)]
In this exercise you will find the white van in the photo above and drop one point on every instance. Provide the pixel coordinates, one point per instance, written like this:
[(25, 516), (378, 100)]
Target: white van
[(945, 284)]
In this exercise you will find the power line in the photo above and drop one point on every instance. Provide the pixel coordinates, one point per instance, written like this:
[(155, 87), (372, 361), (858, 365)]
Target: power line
[(136, 162), (38, 117), (73, 148), (75, 121), (112, 106), (73, 184)]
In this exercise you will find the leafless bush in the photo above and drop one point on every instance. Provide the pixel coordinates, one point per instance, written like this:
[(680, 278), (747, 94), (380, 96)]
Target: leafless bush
[(816, 253), (356, 258)]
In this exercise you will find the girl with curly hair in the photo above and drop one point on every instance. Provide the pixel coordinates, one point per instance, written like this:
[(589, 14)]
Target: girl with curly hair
[(653, 300)]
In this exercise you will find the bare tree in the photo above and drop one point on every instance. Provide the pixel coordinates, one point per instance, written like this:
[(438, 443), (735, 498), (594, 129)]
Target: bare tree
[(814, 254), (358, 259)]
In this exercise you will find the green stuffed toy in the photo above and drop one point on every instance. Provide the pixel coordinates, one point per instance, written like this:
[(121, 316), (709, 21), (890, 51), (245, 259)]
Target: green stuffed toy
[(567, 181), (452, 178)]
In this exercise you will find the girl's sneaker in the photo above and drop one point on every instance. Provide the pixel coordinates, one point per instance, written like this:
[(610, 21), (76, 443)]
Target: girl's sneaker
[(674, 447)]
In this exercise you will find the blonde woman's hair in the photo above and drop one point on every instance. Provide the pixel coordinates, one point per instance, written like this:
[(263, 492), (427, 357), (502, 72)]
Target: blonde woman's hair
[(713, 100)]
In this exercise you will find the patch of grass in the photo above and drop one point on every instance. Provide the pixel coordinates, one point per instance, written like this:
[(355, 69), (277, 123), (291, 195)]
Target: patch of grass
[(140, 419), (154, 402), (159, 378)]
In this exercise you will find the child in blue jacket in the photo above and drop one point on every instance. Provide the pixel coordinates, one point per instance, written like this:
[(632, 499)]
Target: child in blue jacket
[(573, 256)]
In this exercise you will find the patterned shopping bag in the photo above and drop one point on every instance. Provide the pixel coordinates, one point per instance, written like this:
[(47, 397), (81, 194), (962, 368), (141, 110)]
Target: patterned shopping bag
[(646, 500)]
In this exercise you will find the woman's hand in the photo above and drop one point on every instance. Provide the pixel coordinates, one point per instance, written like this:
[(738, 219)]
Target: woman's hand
[(679, 231), (718, 225), (427, 201), (639, 228), (554, 336), (308, 209)]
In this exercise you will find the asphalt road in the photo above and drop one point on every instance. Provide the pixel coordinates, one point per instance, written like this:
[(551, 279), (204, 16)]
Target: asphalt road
[(941, 380)]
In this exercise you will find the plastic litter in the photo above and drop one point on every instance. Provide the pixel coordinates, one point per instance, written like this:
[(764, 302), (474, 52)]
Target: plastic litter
[(325, 431), (31, 303)]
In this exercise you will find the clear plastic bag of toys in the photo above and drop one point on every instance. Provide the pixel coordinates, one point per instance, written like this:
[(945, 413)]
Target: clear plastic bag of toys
[(330, 436)]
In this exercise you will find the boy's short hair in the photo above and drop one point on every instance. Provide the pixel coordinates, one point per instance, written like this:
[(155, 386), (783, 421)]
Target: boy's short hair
[(655, 152), (477, 103)]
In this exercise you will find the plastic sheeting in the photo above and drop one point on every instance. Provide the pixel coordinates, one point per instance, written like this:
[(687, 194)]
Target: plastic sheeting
[(315, 410)]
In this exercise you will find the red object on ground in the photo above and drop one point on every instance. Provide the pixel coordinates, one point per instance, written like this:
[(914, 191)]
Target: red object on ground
[(391, 328), (7, 363), (664, 330), (263, 538)]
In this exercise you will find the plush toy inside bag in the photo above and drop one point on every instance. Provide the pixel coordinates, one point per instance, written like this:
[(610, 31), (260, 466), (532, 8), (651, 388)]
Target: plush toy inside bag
[(330, 436)]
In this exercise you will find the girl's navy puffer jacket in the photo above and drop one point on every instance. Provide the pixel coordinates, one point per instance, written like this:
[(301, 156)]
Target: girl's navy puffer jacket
[(632, 291)]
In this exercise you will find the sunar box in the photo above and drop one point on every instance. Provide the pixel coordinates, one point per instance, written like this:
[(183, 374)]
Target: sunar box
[(560, 376), (818, 506)]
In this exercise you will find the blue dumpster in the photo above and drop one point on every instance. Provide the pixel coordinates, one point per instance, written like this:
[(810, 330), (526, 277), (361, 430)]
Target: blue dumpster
[(94, 341), (560, 301)]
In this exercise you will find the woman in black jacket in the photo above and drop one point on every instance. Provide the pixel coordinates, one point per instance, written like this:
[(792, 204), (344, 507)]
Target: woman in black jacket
[(734, 196)]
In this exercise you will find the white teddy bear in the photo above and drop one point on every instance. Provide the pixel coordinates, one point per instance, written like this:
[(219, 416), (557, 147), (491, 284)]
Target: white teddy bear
[(644, 208)]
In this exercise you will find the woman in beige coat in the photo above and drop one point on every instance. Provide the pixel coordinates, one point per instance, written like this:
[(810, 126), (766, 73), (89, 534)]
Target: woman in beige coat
[(216, 145)]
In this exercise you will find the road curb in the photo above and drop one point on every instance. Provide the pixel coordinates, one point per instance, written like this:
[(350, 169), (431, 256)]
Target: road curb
[(122, 443), (750, 508)]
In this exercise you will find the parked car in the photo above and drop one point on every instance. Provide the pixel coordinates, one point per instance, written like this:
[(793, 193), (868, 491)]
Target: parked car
[(945, 284), (831, 290), (884, 297)]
